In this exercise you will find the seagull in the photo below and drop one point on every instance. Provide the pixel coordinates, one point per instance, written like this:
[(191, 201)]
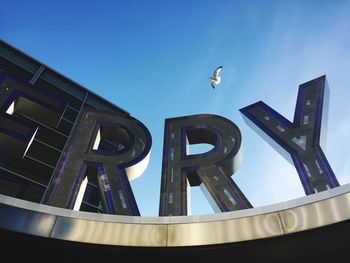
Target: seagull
[(215, 79)]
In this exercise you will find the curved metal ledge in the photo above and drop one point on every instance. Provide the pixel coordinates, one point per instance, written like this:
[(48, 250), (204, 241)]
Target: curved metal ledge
[(296, 215)]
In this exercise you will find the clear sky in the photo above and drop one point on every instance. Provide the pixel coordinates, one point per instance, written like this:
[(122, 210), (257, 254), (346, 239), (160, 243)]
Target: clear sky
[(154, 59)]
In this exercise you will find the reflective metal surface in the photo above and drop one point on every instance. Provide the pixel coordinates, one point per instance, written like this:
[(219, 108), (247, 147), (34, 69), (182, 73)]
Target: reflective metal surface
[(297, 215), (22, 220), (317, 214), (225, 231), (110, 232)]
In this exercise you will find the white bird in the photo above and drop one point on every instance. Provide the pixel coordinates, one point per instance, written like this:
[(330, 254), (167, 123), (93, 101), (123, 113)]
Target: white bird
[(215, 79)]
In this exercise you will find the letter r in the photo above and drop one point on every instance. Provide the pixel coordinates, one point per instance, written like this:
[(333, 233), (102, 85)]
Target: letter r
[(211, 170)]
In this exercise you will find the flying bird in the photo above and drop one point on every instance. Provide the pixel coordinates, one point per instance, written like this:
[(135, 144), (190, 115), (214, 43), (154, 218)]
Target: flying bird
[(215, 79)]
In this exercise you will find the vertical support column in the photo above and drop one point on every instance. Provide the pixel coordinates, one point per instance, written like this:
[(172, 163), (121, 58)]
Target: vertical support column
[(37, 75)]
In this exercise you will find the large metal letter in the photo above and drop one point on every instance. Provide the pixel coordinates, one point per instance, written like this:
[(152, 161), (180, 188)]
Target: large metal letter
[(299, 142), (211, 170), (20, 100), (114, 167)]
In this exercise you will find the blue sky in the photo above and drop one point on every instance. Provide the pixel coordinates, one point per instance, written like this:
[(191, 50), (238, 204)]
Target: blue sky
[(154, 59)]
